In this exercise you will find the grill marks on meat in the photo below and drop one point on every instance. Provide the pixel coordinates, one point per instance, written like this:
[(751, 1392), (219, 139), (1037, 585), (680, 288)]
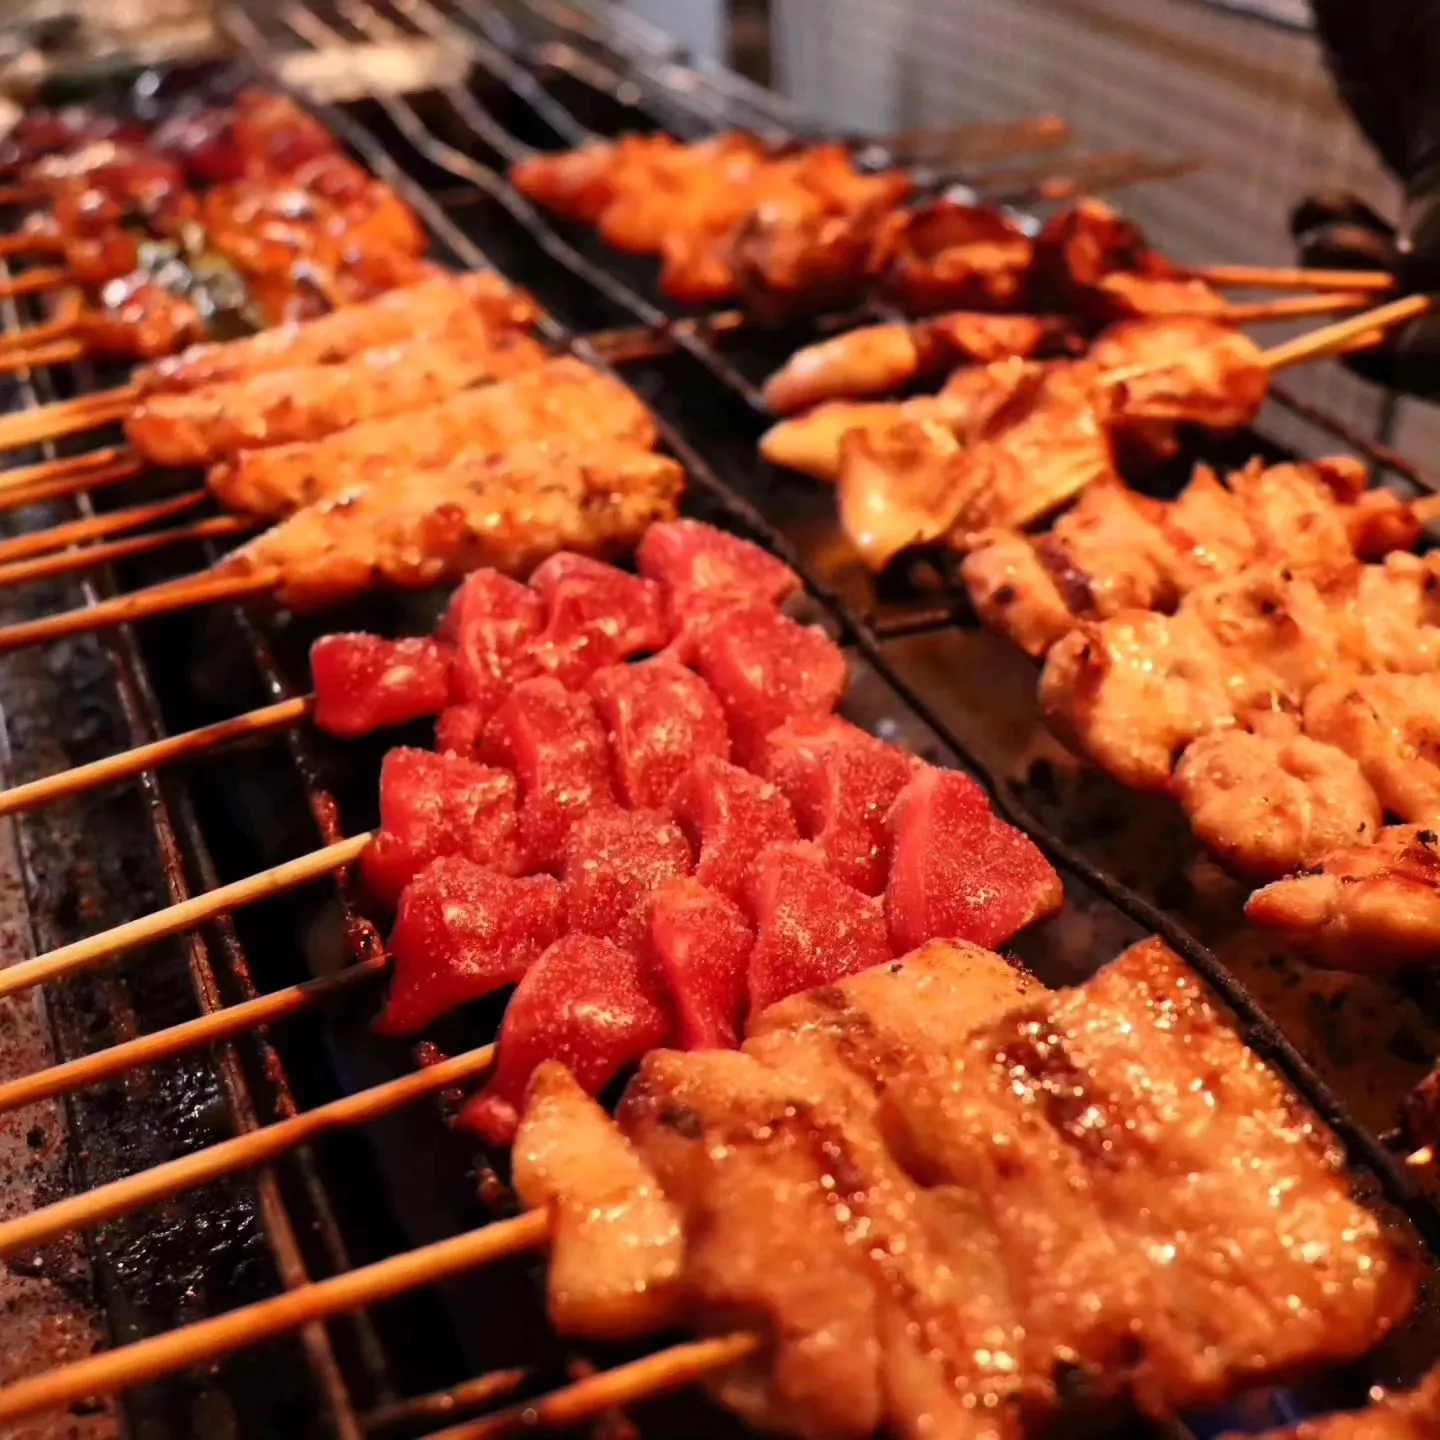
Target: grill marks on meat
[(937, 1198)]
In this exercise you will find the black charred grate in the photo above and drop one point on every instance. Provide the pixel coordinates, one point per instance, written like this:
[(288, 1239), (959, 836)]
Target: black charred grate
[(543, 75)]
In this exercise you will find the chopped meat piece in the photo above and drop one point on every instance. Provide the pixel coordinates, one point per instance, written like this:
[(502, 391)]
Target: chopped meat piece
[(595, 615), (569, 1159), (1121, 295), (489, 621), (614, 860), (954, 256), (433, 805), (1390, 726), (701, 944), (461, 932), (692, 560), (811, 928), (553, 740), (730, 816), (1372, 908), (365, 683), (811, 443), (1269, 805), (585, 1002), (767, 669), (840, 783), (1395, 612), (959, 872), (660, 719), (1013, 593)]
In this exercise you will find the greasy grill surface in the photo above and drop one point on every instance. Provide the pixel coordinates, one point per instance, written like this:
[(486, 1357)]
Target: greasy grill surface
[(404, 1181)]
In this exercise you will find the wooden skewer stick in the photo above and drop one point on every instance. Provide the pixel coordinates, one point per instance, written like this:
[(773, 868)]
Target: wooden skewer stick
[(1299, 277), (87, 557), (1294, 307), (23, 477), (164, 599), (35, 282), (440, 1405), (30, 242), (96, 950), (210, 1029), (115, 1371), (65, 417), (60, 488), (1333, 339), (19, 195), (625, 1385), (62, 325), (61, 352), (98, 527), (81, 779), (244, 1152)]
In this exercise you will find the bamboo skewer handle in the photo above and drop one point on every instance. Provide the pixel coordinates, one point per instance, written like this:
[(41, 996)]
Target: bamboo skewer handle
[(1299, 277), (115, 1371), (1332, 339), (66, 417), (175, 919), (1295, 307), (97, 527), (69, 467)]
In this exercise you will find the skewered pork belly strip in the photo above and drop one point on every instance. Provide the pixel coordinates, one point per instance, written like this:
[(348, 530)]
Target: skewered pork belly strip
[(931, 1192)]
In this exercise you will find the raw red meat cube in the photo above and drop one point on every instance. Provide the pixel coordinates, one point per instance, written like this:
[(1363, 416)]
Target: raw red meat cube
[(595, 615), (811, 928), (616, 858), (841, 784), (701, 943), (660, 718), (585, 1002), (460, 729), (958, 871), (691, 559), (730, 816), (768, 669), (433, 805), (554, 742), (364, 682), (490, 620), (461, 932)]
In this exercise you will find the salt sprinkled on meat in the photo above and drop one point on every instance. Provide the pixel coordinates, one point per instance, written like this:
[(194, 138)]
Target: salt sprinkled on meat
[(365, 683), (701, 943), (490, 619), (585, 1002), (614, 859), (959, 872), (690, 559), (660, 718), (730, 816), (433, 805), (460, 729), (461, 932)]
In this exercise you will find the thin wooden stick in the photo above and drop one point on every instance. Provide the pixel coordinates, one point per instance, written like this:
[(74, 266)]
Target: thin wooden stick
[(1295, 277), (439, 1405), (210, 1029), (115, 1371), (59, 489), (243, 1152), (625, 1385), (98, 527), (82, 779), (23, 477), (61, 352), (65, 417), (34, 282), (96, 950), (19, 195), (1329, 339), (62, 325), (1294, 307), (30, 242), (87, 557), (165, 599)]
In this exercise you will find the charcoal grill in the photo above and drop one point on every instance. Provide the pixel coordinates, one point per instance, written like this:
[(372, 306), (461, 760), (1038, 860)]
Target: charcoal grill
[(545, 74)]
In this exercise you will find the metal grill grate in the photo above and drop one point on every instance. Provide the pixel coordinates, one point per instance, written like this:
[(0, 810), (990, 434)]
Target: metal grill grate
[(544, 74)]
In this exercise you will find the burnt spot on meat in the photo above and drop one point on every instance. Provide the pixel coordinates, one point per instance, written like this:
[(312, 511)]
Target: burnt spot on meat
[(685, 1123)]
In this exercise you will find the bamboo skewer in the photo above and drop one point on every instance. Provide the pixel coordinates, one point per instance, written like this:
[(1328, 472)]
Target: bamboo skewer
[(35, 282), (244, 1152), (81, 779), (63, 486), (248, 1016), (1295, 307), (24, 477), (1279, 277), (66, 417), (97, 527), (1334, 339), (96, 950), (88, 557), (115, 1371), (60, 352), (441, 1405)]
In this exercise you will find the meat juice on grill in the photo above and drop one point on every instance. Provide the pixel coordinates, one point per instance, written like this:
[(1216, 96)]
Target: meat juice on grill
[(811, 928), (433, 805), (553, 741), (586, 1002), (365, 683), (660, 718), (701, 944), (614, 860), (730, 816), (958, 871), (840, 783), (461, 932)]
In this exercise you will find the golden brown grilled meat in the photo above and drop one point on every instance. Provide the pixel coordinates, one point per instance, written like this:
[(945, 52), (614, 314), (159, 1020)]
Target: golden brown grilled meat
[(559, 400), (1400, 1415), (390, 319), (933, 1197), (425, 528), (1267, 805), (1371, 907), (282, 407), (876, 359), (950, 256)]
